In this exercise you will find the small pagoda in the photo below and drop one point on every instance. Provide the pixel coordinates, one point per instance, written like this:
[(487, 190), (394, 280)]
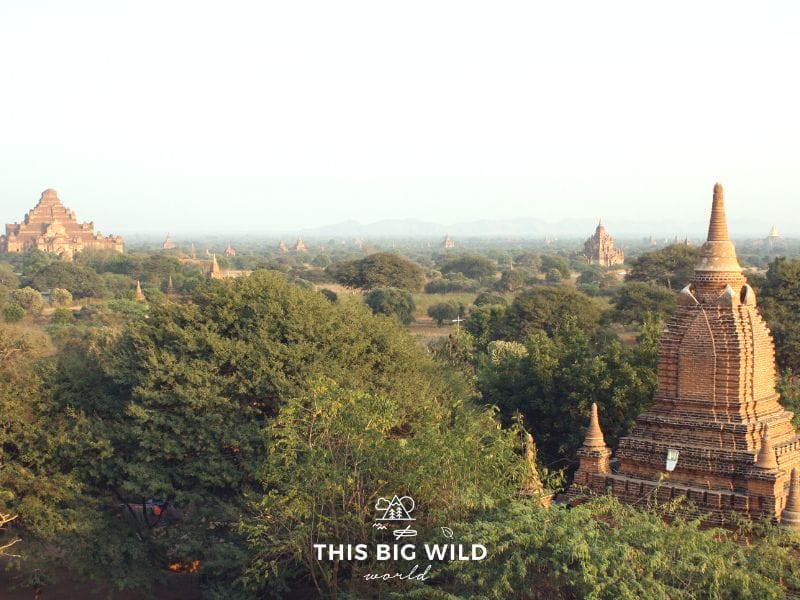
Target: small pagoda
[(716, 433)]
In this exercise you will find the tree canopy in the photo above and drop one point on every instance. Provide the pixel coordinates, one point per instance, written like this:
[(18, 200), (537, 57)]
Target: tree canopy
[(779, 298), (671, 266), (546, 309), (472, 266), (383, 269), (174, 408)]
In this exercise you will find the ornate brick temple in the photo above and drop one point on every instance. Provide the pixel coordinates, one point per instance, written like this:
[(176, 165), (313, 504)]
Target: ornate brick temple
[(52, 227), (599, 249), (716, 433), (168, 244)]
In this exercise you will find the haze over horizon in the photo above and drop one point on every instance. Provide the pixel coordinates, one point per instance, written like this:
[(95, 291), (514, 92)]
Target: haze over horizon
[(266, 117)]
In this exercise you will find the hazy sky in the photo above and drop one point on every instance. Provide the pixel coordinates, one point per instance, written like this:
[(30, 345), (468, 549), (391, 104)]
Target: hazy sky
[(278, 115)]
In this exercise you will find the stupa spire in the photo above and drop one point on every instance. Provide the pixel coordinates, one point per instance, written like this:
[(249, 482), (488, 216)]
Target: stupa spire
[(790, 517), (593, 456), (718, 226), (718, 264), (138, 295), (766, 454), (216, 272), (594, 435)]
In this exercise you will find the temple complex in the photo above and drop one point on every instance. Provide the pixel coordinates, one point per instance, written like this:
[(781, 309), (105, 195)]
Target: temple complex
[(282, 246), (599, 249), (168, 244), (774, 239), (229, 251), (716, 433), (448, 242), (300, 246), (51, 227)]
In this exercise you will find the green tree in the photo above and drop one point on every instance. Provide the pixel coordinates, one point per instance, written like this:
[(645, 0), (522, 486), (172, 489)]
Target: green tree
[(511, 280), (80, 280), (8, 276), (383, 269), (546, 308), (60, 297), (14, 313), (392, 302), (485, 323), (779, 300), (174, 408), (605, 550), (35, 485), (63, 316), (671, 266), (553, 276), (553, 261), (443, 311), (634, 300), (555, 383), (29, 299), (357, 448), (530, 260), (490, 298), (471, 266)]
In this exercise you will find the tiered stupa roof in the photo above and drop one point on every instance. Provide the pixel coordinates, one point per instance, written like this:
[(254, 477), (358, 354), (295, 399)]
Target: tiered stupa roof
[(716, 405)]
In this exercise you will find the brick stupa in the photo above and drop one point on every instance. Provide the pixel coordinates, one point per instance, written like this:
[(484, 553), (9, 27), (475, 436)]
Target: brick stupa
[(52, 227), (716, 405)]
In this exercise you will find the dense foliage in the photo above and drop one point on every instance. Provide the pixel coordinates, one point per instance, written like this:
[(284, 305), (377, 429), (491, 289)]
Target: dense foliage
[(671, 266), (604, 550), (267, 415), (383, 269), (556, 379)]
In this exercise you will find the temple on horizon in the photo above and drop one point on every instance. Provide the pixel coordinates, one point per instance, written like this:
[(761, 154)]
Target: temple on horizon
[(51, 227), (716, 433), (599, 249)]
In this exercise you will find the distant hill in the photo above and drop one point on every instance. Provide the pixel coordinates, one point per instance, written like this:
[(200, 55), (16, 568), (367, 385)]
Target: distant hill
[(523, 227)]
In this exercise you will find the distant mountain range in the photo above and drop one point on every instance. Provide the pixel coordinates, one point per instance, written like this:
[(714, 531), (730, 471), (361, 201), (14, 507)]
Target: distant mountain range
[(576, 228), (524, 227)]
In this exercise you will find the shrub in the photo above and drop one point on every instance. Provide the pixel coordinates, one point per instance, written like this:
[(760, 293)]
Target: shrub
[(60, 297), (13, 313), (29, 299)]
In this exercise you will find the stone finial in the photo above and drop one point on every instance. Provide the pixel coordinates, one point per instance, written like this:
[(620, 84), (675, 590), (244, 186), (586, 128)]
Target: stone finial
[(594, 435), (718, 255), (766, 455), (790, 517), (718, 226), (138, 295)]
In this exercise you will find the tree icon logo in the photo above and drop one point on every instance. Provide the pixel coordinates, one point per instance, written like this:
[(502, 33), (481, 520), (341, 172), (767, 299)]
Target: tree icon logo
[(396, 509)]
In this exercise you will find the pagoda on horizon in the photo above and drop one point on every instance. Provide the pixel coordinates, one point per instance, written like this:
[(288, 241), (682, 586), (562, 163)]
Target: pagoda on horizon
[(51, 227), (599, 249), (716, 433)]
